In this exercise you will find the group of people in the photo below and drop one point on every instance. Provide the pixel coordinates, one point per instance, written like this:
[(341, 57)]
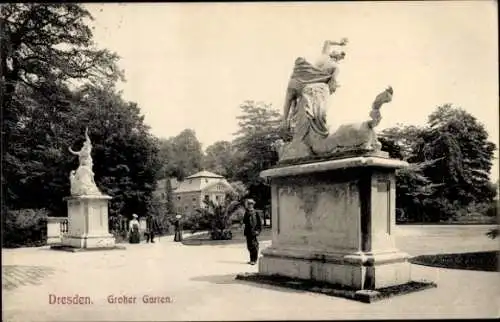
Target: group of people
[(153, 227), (251, 220)]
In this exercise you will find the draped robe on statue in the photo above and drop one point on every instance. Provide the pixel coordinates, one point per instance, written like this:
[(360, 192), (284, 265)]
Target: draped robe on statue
[(311, 87)]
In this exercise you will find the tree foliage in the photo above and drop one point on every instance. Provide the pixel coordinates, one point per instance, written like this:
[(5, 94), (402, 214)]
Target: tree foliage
[(218, 217), (461, 143), (219, 159), (43, 48), (181, 155), (53, 42), (413, 187), (125, 154), (54, 83), (450, 160), (260, 127), (169, 205)]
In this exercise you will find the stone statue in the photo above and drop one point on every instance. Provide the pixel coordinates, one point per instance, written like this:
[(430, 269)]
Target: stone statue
[(82, 180), (308, 91), (324, 71)]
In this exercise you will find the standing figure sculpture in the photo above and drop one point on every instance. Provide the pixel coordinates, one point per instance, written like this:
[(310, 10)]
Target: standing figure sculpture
[(82, 180), (309, 88)]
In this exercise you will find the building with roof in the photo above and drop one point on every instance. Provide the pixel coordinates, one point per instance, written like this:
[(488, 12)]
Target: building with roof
[(189, 195), (160, 191)]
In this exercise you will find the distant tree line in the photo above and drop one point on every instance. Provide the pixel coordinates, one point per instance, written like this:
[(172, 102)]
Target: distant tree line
[(450, 161)]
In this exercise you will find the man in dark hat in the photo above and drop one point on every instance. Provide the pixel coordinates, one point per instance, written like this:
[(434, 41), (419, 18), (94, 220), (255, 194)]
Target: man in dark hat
[(253, 227), (178, 228), (152, 228)]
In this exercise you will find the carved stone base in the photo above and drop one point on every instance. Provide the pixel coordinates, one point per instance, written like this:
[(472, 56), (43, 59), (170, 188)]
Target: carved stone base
[(88, 223), (357, 271), (86, 241), (333, 221), (334, 156)]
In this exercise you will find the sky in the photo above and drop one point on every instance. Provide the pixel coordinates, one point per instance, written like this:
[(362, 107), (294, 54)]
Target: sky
[(190, 65)]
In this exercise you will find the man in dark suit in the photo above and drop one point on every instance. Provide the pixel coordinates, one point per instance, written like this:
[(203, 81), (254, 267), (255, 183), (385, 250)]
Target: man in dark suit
[(178, 228), (253, 227), (152, 228)]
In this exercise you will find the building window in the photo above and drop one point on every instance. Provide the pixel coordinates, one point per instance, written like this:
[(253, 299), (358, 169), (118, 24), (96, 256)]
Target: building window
[(207, 197), (217, 198), (194, 199)]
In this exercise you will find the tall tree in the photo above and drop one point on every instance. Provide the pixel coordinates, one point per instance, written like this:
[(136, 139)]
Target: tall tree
[(413, 187), (187, 155), (43, 50), (126, 155), (219, 157), (260, 128), (465, 155), (169, 195), (166, 155)]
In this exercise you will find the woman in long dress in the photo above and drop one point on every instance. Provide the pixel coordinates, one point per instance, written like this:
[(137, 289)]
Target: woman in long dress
[(134, 236)]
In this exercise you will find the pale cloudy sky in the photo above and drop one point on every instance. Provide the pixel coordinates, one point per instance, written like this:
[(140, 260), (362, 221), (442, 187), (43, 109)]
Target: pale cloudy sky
[(190, 65)]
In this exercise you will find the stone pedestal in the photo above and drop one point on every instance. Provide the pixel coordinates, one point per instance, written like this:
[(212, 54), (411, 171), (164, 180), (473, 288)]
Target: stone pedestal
[(333, 221), (56, 227), (88, 223), (53, 231)]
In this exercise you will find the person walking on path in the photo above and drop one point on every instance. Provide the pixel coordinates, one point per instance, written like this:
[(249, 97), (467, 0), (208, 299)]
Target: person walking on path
[(152, 228), (253, 227), (133, 226), (178, 229)]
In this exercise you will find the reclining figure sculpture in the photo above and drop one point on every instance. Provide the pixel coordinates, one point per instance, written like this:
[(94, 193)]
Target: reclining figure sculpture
[(307, 95)]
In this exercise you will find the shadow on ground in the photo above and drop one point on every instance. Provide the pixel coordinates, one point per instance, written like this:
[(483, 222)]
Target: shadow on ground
[(234, 262), (231, 279), (477, 261)]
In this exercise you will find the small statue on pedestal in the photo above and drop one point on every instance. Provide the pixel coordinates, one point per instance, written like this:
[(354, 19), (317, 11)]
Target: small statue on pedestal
[(82, 180)]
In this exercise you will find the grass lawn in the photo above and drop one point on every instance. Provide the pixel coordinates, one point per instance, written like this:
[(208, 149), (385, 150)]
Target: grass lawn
[(238, 238), (477, 261)]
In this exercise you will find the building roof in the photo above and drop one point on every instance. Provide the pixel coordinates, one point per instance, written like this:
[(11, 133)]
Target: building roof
[(205, 174)]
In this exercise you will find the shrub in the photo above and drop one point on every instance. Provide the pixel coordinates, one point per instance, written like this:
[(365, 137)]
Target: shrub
[(215, 217), (493, 233), (221, 235), (24, 227), (492, 210), (197, 221)]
